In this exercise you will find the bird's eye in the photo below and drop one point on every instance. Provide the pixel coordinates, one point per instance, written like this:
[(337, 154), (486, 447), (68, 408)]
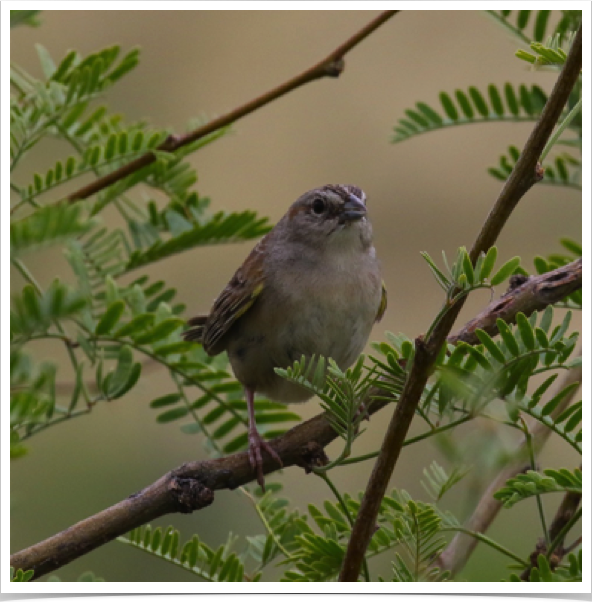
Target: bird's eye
[(319, 206)]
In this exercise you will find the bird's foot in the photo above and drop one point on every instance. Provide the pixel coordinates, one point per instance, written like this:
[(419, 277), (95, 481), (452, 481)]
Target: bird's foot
[(256, 444)]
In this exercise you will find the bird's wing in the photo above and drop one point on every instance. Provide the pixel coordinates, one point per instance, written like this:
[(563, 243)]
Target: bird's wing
[(382, 307), (232, 303)]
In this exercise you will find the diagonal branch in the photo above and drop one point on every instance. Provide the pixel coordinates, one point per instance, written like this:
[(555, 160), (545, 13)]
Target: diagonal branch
[(459, 550), (330, 66), (525, 174), (187, 488), (531, 294), (190, 487)]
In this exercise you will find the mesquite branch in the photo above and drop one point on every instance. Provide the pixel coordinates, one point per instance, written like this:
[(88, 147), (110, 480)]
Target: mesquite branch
[(330, 66), (525, 174), (190, 487)]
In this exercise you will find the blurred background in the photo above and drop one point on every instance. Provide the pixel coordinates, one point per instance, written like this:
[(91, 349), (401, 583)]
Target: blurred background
[(430, 193)]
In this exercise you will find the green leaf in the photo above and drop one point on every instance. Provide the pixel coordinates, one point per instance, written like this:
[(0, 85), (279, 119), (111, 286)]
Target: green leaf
[(226, 427), (478, 356), (505, 271), (429, 113), (572, 246), (488, 263), (495, 99), (171, 415), (480, 104), (165, 400), (110, 317), (511, 99), (47, 225), (526, 331), (160, 331), (468, 267), (508, 337), (137, 324), (238, 443), (46, 61), (117, 381), (490, 345), (442, 280), (220, 228), (523, 16), (559, 331), (552, 404), (448, 106), (464, 104), (173, 348)]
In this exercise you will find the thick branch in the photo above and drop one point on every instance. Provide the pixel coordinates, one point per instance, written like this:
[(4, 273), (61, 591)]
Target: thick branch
[(185, 489), (190, 487), (331, 66), (529, 295), (524, 175)]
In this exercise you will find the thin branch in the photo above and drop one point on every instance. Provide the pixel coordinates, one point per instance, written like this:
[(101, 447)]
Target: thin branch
[(525, 174), (331, 66), (459, 550)]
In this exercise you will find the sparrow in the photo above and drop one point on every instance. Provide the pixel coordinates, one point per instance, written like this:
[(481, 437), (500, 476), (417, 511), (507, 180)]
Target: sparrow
[(310, 287)]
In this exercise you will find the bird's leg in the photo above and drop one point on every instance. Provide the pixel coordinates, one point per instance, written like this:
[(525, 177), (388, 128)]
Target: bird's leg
[(256, 442)]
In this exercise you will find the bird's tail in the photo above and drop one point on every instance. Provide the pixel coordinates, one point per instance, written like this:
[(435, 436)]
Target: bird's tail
[(195, 333)]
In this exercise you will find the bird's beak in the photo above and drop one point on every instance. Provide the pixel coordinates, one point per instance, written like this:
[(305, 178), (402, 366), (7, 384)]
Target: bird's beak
[(353, 209)]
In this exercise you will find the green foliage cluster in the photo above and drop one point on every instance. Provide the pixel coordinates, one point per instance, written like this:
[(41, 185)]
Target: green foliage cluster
[(509, 103), (110, 326), (109, 329)]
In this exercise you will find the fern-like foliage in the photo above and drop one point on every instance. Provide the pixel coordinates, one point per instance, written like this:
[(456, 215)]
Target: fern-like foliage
[(343, 395), (33, 313), (117, 149), (511, 103), (550, 53), (48, 225), (108, 327), (282, 526), (544, 572), (219, 228), (534, 483), (566, 170), (413, 526), (533, 25), (32, 398), (220, 565), (438, 482), (43, 107), (472, 106), (470, 377)]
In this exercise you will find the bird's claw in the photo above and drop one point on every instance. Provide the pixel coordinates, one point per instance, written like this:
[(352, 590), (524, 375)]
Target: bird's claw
[(256, 443)]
